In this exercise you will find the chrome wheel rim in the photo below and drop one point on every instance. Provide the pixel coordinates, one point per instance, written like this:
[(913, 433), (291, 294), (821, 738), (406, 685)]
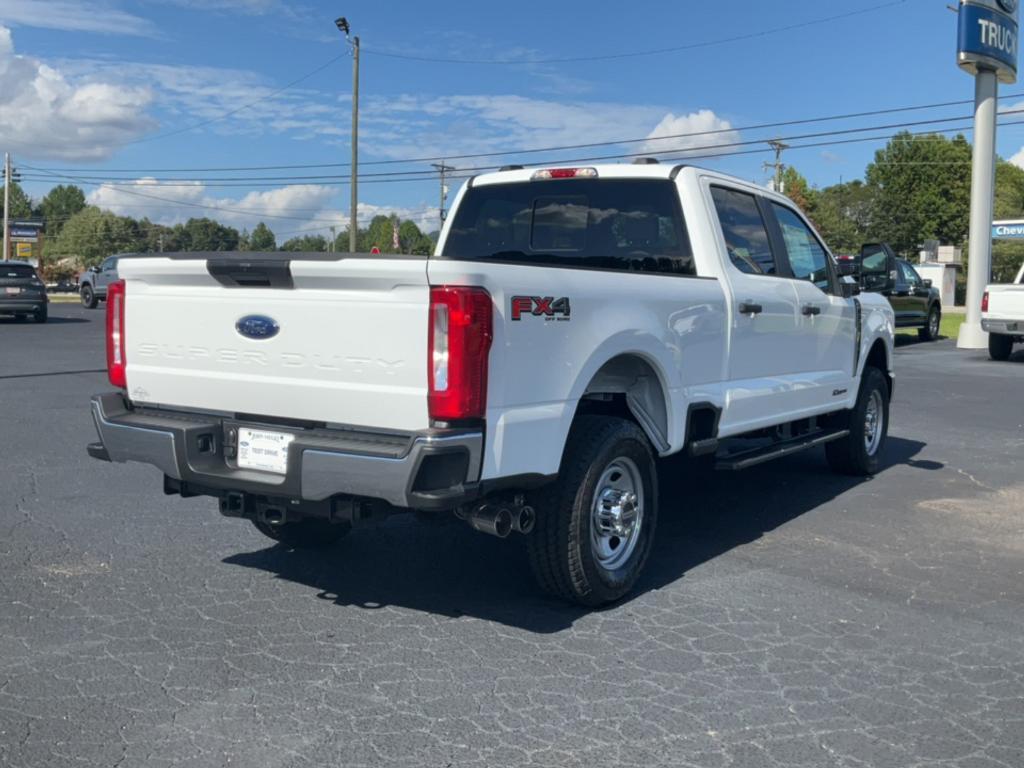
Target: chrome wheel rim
[(874, 416), (617, 514), (933, 324)]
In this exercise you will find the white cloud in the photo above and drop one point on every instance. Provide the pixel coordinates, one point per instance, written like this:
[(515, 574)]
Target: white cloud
[(710, 130), (289, 210), (43, 115), (1018, 158), (73, 16), (413, 126)]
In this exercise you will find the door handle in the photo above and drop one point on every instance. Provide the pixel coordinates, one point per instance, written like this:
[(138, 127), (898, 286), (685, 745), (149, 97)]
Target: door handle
[(749, 308), (811, 309)]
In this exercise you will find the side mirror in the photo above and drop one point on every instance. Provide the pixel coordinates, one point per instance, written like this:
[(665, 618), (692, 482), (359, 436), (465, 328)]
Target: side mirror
[(849, 286), (927, 283)]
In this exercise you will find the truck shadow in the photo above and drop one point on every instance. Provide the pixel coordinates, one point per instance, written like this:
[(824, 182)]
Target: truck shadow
[(448, 570)]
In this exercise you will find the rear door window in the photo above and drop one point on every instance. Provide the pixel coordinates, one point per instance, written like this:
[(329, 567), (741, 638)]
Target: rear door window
[(631, 225), (746, 236)]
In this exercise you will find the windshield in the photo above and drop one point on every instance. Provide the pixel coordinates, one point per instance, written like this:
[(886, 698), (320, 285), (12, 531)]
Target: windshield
[(622, 224)]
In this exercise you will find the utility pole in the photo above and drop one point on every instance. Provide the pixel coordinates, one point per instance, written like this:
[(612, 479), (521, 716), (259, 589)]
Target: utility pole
[(334, 236), (353, 225), (442, 169), (7, 206), (778, 166)]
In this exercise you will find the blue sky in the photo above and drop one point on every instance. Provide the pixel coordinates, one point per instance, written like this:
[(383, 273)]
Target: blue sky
[(91, 87)]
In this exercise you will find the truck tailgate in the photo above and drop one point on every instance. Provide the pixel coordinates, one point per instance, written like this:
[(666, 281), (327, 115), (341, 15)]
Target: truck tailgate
[(344, 343), (1006, 302)]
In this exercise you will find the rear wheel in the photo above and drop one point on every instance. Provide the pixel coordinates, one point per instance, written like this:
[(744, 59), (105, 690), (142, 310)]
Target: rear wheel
[(1000, 346), (41, 314), (930, 332), (859, 452), (595, 526), (304, 534), (88, 297)]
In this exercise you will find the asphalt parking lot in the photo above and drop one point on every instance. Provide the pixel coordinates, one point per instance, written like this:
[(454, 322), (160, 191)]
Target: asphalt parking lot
[(789, 616)]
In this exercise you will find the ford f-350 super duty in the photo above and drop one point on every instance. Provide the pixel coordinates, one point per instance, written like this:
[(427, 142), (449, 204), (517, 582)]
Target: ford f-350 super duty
[(574, 326)]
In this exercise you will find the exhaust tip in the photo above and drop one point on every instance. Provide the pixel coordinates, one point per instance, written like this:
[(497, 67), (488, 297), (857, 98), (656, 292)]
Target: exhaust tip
[(496, 521), (524, 520)]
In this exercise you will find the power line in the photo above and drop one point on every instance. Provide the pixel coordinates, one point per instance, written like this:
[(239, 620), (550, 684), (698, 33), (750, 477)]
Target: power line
[(636, 54), (537, 150), (416, 175)]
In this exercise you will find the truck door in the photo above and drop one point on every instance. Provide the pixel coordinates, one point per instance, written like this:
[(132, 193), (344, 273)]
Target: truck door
[(763, 319), (916, 295), (827, 336)]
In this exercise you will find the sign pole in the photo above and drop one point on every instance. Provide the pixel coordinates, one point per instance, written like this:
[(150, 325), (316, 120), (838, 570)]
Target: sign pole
[(983, 180), (986, 48)]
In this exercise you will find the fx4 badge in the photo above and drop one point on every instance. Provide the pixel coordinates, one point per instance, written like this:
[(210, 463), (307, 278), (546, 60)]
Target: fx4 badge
[(538, 306)]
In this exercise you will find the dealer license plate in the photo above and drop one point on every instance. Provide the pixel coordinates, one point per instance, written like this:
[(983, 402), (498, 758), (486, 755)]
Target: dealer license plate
[(263, 450)]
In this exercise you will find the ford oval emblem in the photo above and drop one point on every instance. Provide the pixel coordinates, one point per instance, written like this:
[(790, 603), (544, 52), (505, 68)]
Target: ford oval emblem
[(257, 327)]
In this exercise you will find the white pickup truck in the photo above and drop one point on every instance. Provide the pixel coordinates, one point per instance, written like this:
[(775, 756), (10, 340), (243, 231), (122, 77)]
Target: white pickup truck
[(1002, 315), (574, 326)]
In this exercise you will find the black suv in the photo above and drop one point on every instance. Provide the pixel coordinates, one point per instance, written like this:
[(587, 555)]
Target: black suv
[(22, 293), (916, 303)]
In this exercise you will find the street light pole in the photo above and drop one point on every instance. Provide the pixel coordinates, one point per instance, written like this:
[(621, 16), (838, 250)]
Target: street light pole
[(353, 225), (7, 206)]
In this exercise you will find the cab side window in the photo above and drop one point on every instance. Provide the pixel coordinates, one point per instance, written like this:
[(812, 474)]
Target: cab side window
[(108, 264), (909, 275), (746, 236), (807, 257)]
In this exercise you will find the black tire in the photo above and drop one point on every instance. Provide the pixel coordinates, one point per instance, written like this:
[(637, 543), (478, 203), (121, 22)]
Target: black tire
[(89, 300), (304, 534), (930, 332), (41, 315), (851, 455), (562, 555), (1000, 346)]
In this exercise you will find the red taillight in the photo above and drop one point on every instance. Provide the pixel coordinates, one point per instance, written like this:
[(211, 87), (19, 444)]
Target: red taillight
[(461, 321), (116, 361), (984, 302)]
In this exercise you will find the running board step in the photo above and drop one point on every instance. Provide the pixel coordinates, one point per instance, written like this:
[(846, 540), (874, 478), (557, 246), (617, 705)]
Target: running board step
[(778, 450)]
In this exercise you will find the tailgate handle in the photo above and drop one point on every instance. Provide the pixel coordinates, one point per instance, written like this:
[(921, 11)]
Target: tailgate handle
[(251, 274)]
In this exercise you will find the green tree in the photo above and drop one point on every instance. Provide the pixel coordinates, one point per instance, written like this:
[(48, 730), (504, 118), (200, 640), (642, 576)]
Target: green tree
[(21, 203), (796, 188), (60, 204), (158, 238), (843, 215), (380, 234), (91, 235), (262, 239), (206, 235), (1009, 204), (306, 244), (922, 190)]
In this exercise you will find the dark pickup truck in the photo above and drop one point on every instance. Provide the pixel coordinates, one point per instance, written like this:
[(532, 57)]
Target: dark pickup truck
[(915, 302)]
